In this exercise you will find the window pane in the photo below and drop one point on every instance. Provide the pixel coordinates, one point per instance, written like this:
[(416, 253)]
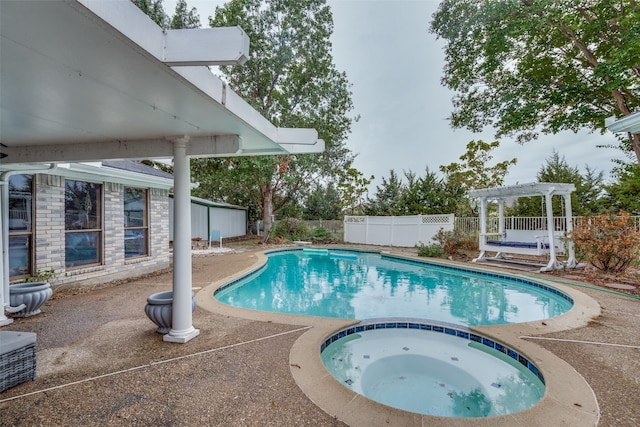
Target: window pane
[(81, 248), (135, 206), (135, 243), (19, 255), (20, 199), (82, 205)]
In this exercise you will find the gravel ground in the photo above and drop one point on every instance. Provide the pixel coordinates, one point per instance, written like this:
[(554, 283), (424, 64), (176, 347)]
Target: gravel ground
[(101, 363)]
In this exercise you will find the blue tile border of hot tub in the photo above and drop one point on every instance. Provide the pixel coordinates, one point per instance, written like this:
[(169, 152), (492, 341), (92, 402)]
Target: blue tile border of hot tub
[(441, 327)]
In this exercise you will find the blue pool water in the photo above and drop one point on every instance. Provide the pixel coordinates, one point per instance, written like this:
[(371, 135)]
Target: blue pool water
[(353, 285)]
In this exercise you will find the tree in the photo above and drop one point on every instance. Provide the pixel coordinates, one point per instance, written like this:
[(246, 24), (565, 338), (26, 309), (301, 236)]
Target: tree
[(586, 200), (183, 17), (474, 172), (353, 188), (429, 194), (386, 201), (623, 194), (291, 80), (530, 66), (323, 203), (154, 10)]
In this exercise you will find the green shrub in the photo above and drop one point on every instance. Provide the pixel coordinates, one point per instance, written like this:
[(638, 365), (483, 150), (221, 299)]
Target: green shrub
[(609, 242), (433, 250), (452, 242), (291, 229), (321, 233)]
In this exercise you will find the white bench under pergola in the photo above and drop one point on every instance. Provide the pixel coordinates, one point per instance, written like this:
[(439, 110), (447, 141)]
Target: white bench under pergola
[(541, 242)]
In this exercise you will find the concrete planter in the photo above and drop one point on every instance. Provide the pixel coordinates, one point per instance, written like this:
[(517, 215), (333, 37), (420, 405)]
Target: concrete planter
[(159, 309), (32, 294)]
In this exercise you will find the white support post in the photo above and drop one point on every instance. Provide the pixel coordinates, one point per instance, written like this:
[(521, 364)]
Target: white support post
[(501, 229), (4, 249), (568, 215), (550, 229), (182, 329), (483, 229)]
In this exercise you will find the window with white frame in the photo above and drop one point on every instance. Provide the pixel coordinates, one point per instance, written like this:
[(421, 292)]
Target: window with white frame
[(20, 225), (83, 223), (136, 230)]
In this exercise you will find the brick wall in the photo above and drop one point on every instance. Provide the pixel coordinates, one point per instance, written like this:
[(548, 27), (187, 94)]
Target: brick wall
[(50, 236)]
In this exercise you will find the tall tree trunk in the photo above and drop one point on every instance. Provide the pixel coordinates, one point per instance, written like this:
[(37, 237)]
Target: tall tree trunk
[(635, 144), (267, 210)]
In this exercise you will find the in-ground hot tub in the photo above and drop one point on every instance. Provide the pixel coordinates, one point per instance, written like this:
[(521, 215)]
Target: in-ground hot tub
[(433, 369)]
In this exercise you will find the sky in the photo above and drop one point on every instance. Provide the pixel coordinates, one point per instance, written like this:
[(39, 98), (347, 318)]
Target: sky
[(395, 66)]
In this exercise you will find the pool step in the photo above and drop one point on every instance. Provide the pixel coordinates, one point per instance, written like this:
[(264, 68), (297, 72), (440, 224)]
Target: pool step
[(315, 251)]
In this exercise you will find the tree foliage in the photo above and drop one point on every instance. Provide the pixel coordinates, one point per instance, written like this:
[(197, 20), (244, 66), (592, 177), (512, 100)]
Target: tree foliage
[(586, 200), (353, 188), (473, 171), (624, 194), (183, 17), (420, 195), (323, 203), (530, 66), (387, 197), (291, 80), (154, 10)]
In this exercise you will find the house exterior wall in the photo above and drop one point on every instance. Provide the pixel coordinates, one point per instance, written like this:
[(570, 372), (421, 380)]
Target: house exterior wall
[(49, 229)]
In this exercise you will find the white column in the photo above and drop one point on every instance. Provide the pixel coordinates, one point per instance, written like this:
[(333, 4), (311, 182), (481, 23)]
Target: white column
[(501, 218), (4, 249), (550, 228), (482, 238), (182, 329), (571, 260)]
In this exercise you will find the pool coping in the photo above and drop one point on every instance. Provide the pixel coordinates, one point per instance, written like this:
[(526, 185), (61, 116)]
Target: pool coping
[(568, 398)]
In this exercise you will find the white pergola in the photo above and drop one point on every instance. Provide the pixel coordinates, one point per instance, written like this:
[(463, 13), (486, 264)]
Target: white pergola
[(86, 80), (543, 243)]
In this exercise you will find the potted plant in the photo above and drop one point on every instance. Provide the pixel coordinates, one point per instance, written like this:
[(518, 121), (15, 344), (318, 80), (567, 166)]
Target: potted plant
[(33, 293), (159, 310)]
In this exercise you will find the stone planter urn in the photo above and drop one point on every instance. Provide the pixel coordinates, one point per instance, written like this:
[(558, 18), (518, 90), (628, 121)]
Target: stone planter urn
[(159, 309), (32, 294)]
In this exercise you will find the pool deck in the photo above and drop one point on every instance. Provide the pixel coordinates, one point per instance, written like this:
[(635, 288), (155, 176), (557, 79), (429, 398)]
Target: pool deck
[(99, 362)]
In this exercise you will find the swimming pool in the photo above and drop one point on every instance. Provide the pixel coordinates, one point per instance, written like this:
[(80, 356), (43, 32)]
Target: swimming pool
[(330, 392), (356, 285)]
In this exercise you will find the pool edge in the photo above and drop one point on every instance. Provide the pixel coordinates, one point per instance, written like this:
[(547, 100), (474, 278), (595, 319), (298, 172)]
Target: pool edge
[(568, 399)]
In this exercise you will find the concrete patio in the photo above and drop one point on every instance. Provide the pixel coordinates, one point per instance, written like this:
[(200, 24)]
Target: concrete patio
[(99, 362)]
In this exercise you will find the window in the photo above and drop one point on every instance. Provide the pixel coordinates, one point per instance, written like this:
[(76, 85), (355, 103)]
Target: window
[(136, 230), (83, 223), (20, 225)]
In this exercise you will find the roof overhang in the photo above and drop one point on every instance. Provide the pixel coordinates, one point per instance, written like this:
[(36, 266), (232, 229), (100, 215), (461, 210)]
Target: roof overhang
[(629, 123), (86, 80), (524, 190)]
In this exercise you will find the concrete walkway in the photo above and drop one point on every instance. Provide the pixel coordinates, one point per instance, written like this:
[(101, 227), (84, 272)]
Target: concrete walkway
[(101, 363)]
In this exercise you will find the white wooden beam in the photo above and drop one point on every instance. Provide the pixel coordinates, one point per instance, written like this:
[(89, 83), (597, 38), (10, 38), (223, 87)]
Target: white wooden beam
[(202, 146), (206, 46), (196, 46)]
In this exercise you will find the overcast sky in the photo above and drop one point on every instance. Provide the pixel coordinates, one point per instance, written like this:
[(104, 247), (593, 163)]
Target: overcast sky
[(395, 65)]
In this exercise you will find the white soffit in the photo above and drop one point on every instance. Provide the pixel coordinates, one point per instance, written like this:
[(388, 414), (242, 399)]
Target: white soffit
[(92, 80)]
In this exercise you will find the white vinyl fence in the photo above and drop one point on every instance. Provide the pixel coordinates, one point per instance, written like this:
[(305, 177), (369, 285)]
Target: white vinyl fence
[(403, 231), (472, 224)]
